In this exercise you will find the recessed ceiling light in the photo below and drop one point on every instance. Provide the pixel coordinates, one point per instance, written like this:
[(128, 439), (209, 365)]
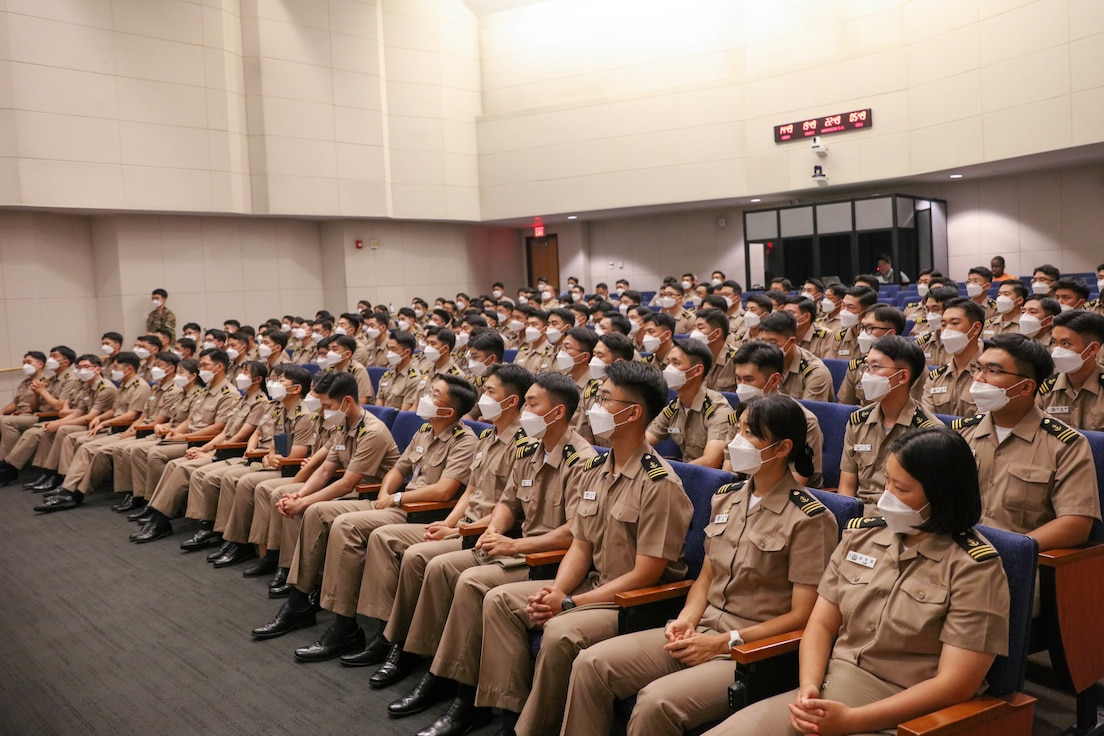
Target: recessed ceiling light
[(757, 199), (956, 176), (573, 217)]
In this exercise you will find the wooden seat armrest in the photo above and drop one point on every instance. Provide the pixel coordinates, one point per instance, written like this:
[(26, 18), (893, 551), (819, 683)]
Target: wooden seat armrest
[(287, 462), (255, 454), (772, 646), (551, 557), (415, 506), (46, 416), (1010, 714), (653, 593), (232, 446), (144, 427), (473, 530), (1062, 556), (368, 487)]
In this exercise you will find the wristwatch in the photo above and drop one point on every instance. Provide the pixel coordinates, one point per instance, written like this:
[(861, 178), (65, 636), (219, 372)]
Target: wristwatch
[(734, 639), (397, 498), (567, 604)]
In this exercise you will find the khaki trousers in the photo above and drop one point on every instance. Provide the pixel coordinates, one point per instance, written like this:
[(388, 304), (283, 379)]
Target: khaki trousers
[(25, 446), (84, 471), (172, 486), (12, 427), (237, 496), (122, 456), (267, 529), (204, 485), (335, 536), (150, 465), (48, 454)]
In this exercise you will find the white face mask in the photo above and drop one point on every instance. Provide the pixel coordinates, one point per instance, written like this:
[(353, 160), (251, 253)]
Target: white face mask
[(675, 378), (623, 309), (954, 342), (264, 351), (156, 303), (523, 300), (432, 354), (312, 403), (393, 358), (935, 319), (686, 285), (744, 456), (403, 325), (29, 370), (340, 331), (634, 327), (516, 325), (988, 397), (747, 392), (299, 333), (52, 364), (1005, 304), (811, 296), (597, 368), (107, 349), (207, 376), (462, 339), (157, 373), (716, 282), (373, 333), (900, 518), (427, 409), (532, 334), (699, 336), (827, 305), (576, 296), (548, 296), (599, 330), (602, 421), (276, 390), (285, 327), (1066, 361), (874, 386), (243, 382), (116, 376), (1030, 325), (866, 341), (419, 313), (476, 367), (564, 361), (232, 354), (333, 358), (848, 319), (209, 345), (503, 318), (1066, 307), (922, 290), (497, 293), (1040, 287), (489, 409), (752, 319), (86, 374), (651, 343), (667, 302), (553, 334), (331, 417), (534, 424), (142, 353), (180, 381), (974, 289)]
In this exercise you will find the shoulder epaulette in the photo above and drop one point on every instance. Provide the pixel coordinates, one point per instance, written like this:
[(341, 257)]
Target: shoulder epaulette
[(653, 467), (526, 450), (912, 305), (866, 522), (671, 409), (925, 339), (361, 430), (1048, 385), (804, 367), (919, 421), (937, 372), (595, 461), (426, 428), (412, 373), (226, 390), (486, 433), (992, 303), (820, 332), (592, 388), (732, 419), (458, 430), (729, 488), (453, 371), (806, 502), (686, 314), (520, 438), (389, 373), (648, 359), (856, 363), (965, 422), (975, 546), (298, 411), (842, 333), (730, 354), (923, 318), (860, 415), (570, 455), (1065, 433), (993, 320), (708, 407)]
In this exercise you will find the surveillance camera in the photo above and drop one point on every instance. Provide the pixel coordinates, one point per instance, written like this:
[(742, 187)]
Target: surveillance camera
[(816, 141), (819, 148)]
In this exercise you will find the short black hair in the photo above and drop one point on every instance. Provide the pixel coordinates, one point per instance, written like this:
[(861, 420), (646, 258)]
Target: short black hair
[(950, 485), (762, 355), (516, 379), (36, 354), (1017, 286), (804, 304), (619, 322), (112, 336), (405, 340), (186, 343), (461, 395), (1085, 324), (762, 301), (297, 374), (1032, 359), (233, 323), (974, 311), (871, 281), (445, 336), (587, 339), (343, 385), (836, 289), (662, 319), (66, 352), (218, 356), (715, 301), (981, 271), (642, 383), (621, 346), (345, 342), (890, 314), (445, 315), (161, 293), (1049, 270), (716, 319), (352, 318), (1076, 284), (778, 417), (192, 326), (150, 340), (816, 283), (561, 390), (190, 366), (943, 294), (488, 342), (998, 259), (216, 334), (166, 357), (902, 350), (782, 323), (257, 369), (90, 358), (734, 285), (128, 358), (697, 352), (280, 338), (864, 294)]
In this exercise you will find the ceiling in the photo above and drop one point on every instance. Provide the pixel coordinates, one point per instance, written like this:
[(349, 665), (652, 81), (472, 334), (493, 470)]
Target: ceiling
[(486, 7)]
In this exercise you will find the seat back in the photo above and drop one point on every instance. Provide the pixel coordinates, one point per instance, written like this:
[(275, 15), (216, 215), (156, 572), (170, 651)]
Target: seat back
[(311, 367), (946, 418), (669, 449), (838, 369), (700, 483), (833, 424), (732, 398), (477, 427), (375, 373), (385, 414), (1096, 444), (281, 443), (509, 354), (844, 508), (406, 425), (1020, 557)]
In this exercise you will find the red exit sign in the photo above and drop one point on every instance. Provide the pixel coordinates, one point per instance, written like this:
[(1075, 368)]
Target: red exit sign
[(855, 120)]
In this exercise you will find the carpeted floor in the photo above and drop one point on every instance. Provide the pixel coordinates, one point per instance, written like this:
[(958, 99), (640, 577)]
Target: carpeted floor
[(101, 636)]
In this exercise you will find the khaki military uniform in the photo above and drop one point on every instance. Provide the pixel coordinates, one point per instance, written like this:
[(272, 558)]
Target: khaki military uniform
[(427, 459), (844, 344), (643, 510), (947, 390), (866, 446), (426, 376), (1042, 470), (397, 555), (45, 447), (131, 397), (693, 427), (363, 380), (684, 322), (807, 377), (934, 352), (588, 396), (736, 338), (121, 454), (722, 376), (817, 341), (158, 319), (757, 554), (537, 360), (236, 367), (23, 418), (657, 361), (990, 307), (377, 352), (831, 325), (851, 390), (899, 608), (400, 387), (1000, 326), (914, 311), (1080, 408)]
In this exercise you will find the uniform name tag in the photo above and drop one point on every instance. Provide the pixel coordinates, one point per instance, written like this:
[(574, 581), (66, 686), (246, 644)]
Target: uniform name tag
[(843, 352), (527, 483), (590, 495), (864, 560), (674, 430), (720, 519), (420, 448), (861, 448), (989, 333), (339, 448), (384, 384), (927, 355), (938, 390), (1058, 410), (478, 455)]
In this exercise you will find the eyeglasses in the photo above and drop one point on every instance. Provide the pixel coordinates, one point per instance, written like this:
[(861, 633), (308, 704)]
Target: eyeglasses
[(874, 367), (869, 329), (995, 371), (601, 400)]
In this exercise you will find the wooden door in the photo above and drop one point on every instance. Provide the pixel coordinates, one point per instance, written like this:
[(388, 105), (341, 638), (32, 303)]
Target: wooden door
[(543, 256)]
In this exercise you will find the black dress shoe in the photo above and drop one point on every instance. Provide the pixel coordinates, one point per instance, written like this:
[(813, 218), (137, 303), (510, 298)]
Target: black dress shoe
[(152, 531), (134, 503), (331, 645), (372, 654), (237, 553), (430, 690), (397, 666), (202, 539), (263, 566), (49, 482), (8, 473), (123, 505), (460, 718), (60, 502), (223, 549), (29, 485), (278, 582), (144, 514), (286, 620)]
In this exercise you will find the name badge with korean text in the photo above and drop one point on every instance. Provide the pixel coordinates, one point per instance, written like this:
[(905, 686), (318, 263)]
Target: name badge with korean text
[(860, 559), (527, 483), (721, 518), (674, 430), (590, 495), (861, 448), (1057, 410), (938, 390), (339, 448)]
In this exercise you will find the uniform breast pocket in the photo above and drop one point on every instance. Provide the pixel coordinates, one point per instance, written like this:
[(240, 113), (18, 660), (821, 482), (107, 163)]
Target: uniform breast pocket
[(765, 554), (918, 612), (854, 586), (625, 512), (587, 507), (939, 396), (1028, 486)]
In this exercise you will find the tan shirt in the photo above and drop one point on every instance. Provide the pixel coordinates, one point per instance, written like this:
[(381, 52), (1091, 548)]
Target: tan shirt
[(431, 457), (722, 376), (807, 378), (24, 397), (758, 553), (398, 388), (247, 410), (866, 446), (1081, 409), (495, 456), (363, 380), (588, 397), (898, 614), (536, 361), (212, 405), (692, 427), (296, 424), (98, 396), (366, 447), (542, 491), (1000, 326), (131, 396), (1042, 470), (65, 385), (947, 390), (844, 344), (641, 511), (377, 354), (162, 400)]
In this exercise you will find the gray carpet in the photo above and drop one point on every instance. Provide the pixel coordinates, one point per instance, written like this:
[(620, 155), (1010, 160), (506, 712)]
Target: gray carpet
[(102, 636)]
